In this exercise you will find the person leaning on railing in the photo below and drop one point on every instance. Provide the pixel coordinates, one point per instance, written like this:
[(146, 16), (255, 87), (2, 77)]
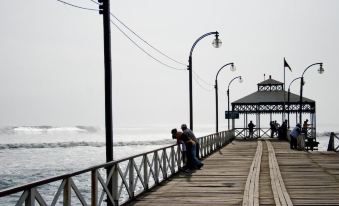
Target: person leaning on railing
[(191, 135), (294, 135), (192, 161)]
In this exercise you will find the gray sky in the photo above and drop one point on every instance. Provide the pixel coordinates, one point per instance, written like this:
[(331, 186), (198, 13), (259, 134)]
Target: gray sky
[(51, 58)]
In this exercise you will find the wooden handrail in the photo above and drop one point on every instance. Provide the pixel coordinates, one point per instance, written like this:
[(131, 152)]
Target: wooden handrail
[(165, 162), (44, 181)]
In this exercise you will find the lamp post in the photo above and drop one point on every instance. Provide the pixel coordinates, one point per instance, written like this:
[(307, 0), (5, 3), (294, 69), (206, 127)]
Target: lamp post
[(320, 70), (228, 97), (288, 100), (216, 95), (104, 9), (216, 43)]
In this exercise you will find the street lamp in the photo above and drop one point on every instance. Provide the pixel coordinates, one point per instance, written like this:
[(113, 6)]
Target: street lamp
[(228, 98), (216, 94), (288, 100), (320, 70), (216, 43)]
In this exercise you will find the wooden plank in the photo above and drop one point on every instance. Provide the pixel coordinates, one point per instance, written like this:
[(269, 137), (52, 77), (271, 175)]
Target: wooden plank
[(307, 178), (281, 192), (307, 175), (220, 182)]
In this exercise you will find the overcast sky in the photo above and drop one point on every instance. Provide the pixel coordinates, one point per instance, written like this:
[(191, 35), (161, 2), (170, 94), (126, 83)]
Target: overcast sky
[(52, 72)]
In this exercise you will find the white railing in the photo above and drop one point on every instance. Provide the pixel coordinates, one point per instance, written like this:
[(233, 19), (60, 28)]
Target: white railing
[(127, 178), (257, 132)]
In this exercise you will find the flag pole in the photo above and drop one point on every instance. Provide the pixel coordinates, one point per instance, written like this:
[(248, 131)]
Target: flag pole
[(286, 65), (283, 119)]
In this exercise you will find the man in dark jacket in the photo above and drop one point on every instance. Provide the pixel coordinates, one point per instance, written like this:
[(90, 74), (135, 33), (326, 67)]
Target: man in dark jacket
[(250, 129), (192, 161)]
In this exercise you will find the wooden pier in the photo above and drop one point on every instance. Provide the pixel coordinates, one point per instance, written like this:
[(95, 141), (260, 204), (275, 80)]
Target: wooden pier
[(255, 172)]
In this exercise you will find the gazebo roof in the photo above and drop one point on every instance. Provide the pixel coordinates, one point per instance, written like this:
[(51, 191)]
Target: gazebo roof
[(270, 81), (270, 97)]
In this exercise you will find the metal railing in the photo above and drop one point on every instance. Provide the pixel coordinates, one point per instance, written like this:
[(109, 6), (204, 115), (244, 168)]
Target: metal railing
[(257, 132), (128, 176), (265, 132)]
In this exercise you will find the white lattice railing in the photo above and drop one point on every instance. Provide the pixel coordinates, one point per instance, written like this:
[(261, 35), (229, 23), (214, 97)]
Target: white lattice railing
[(112, 183), (257, 132)]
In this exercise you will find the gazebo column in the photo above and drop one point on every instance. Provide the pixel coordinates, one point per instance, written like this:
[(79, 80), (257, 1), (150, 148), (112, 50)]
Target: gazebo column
[(246, 123), (270, 117), (314, 126), (259, 123), (258, 120), (233, 120)]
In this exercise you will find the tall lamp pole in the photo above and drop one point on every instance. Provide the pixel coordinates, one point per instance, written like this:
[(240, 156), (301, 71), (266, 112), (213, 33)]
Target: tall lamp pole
[(228, 98), (216, 95), (104, 9), (320, 70), (288, 100), (216, 43)]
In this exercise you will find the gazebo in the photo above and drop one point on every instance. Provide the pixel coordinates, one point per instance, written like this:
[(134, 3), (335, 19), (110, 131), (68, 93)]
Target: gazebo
[(271, 99)]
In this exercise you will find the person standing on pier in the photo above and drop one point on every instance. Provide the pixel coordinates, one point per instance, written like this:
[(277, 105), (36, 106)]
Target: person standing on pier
[(282, 131), (250, 129), (305, 126), (192, 161), (191, 135), (294, 135), (272, 127)]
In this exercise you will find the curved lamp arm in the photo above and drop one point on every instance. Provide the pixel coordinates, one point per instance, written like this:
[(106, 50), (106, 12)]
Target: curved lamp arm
[(228, 88), (321, 66), (292, 82), (203, 36), (232, 65)]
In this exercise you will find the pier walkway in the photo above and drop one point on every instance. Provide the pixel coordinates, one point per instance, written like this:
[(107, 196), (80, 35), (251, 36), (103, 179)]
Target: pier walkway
[(255, 172)]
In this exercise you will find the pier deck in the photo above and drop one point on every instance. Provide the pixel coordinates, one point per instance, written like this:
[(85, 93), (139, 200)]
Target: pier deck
[(256, 172)]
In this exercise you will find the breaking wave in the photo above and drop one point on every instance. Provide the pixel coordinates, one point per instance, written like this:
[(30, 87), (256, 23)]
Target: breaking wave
[(46, 129), (77, 144)]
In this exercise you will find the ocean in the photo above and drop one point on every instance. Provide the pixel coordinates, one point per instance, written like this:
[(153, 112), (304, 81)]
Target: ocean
[(30, 153)]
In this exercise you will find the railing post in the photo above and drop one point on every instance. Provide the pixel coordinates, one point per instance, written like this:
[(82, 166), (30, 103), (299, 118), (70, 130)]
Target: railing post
[(330, 146), (94, 187), (224, 138), (205, 146), (179, 157), (156, 167), (217, 140), (131, 177), (145, 171), (172, 160), (220, 139), (211, 144), (221, 135), (115, 185), (164, 165), (67, 193), (30, 200)]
